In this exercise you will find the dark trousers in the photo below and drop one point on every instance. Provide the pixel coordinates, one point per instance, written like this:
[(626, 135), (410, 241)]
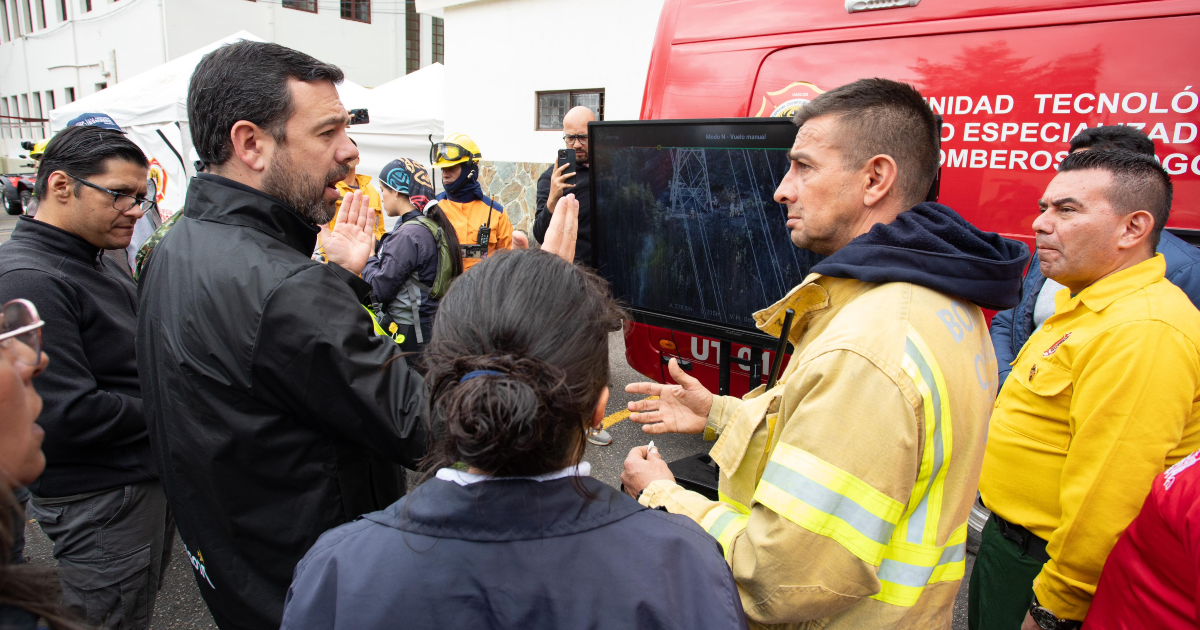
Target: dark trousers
[(112, 549), (1001, 588)]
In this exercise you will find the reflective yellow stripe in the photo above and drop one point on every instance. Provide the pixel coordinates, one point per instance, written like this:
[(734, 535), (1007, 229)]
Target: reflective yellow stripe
[(379, 329), (925, 505), (724, 498), (726, 527), (829, 501), (907, 568)]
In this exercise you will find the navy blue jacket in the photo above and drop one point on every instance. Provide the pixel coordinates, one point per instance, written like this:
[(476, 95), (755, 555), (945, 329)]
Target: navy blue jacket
[(407, 248), (517, 554), (1012, 328)]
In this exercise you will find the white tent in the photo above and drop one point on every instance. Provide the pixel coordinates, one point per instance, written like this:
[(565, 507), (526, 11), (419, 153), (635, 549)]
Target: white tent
[(404, 112), (152, 108)]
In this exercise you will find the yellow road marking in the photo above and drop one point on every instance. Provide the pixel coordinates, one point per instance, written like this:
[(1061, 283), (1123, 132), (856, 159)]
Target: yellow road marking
[(620, 415)]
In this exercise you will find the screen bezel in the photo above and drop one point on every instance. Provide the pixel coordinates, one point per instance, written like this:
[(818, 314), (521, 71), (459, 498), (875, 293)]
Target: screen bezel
[(746, 336)]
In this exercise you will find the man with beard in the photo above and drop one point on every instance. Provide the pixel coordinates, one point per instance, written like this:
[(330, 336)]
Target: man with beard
[(274, 413), (556, 182)]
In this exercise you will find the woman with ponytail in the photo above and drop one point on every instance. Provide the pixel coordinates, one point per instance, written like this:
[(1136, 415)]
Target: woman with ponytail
[(512, 532), (27, 593)]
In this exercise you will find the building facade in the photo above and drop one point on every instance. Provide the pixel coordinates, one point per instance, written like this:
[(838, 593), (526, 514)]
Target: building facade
[(53, 52), (514, 67)]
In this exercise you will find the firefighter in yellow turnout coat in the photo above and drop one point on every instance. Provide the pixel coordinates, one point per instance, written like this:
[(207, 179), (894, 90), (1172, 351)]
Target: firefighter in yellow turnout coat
[(845, 489)]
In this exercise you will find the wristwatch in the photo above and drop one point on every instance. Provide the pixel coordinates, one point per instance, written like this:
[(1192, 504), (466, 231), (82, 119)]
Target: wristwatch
[(1047, 620)]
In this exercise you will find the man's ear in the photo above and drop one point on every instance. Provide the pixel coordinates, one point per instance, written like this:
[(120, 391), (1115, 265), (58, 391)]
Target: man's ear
[(1137, 227), (598, 412), (880, 175), (251, 145), (60, 187)]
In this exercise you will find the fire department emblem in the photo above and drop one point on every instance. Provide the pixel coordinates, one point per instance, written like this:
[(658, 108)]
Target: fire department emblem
[(786, 102), (1032, 372), (1052, 349)]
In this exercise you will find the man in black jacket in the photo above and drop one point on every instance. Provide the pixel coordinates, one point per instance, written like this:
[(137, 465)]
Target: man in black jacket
[(99, 498), (554, 183), (274, 411)]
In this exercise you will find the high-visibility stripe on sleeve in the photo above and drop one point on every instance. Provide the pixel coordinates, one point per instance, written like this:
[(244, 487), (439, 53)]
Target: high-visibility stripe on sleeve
[(726, 527), (828, 501), (925, 505), (907, 569)]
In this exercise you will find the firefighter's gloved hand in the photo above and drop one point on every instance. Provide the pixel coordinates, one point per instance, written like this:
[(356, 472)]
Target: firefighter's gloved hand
[(643, 466), (352, 240), (681, 408), (564, 229)]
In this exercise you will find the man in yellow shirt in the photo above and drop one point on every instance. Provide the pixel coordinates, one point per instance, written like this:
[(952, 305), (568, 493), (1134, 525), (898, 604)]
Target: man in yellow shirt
[(845, 489), (351, 184), (471, 212), (1100, 400)]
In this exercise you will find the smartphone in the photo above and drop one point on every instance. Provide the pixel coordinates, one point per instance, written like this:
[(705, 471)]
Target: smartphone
[(567, 156), (359, 117)]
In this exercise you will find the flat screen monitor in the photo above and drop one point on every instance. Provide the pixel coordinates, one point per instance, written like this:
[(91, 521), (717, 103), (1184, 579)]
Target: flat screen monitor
[(685, 225)]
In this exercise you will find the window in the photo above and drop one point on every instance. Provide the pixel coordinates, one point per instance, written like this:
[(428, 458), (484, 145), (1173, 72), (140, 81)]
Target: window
[(24, 113), (552, 106), (70, 92), (5, 34), (61, 7), (36, 112), (5, 123), (26, 22), (50, 101), (439, 40), (101, 85), (86, 5), (301, 5), (412, 37), (40, 12), (357, 10)]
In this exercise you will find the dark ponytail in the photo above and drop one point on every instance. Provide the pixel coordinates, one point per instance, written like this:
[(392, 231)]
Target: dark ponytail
[(435, 212), (517, 363)]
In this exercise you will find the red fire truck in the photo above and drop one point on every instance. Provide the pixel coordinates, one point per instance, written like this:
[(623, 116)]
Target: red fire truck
[(1014, 80)]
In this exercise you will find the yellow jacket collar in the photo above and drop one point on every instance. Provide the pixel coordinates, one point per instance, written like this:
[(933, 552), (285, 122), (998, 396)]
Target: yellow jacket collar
[(363, 181), (816, 293), (1111, 288)]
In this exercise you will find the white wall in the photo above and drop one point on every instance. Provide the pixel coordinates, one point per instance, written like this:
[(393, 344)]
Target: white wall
[(45, 59), (370, 54), (500, 52)]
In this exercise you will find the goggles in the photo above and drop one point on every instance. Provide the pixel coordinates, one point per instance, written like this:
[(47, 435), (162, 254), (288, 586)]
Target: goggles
[(450, 152), (19, 321)]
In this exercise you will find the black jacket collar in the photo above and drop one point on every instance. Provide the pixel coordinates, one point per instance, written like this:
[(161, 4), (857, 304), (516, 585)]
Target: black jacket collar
[(504, 510), (55, 238), (221, 200)]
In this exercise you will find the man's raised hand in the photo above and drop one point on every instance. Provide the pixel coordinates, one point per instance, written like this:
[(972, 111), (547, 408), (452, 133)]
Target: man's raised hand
[(564, 229), (681, 408), (352, 240), (558, 186)]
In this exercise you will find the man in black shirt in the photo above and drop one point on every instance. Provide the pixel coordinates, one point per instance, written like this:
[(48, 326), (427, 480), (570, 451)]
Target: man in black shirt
[(99, 498), (554, 183)]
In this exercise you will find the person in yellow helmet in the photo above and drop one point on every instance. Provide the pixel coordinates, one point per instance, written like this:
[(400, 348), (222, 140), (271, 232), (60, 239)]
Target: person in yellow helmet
[(39, 149), (480, 223)]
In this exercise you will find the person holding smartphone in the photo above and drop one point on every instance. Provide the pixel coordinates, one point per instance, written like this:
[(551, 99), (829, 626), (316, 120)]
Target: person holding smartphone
[(564, 177)]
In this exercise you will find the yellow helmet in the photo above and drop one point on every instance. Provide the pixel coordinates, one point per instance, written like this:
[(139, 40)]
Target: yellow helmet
[(39, 149), (455, 149)]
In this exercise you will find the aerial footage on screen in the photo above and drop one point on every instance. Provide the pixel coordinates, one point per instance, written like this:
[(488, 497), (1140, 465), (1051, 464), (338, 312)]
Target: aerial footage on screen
[(689, 226)]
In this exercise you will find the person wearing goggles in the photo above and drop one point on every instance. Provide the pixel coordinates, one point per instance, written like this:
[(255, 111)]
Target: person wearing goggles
[(99, 498), (480, 223)]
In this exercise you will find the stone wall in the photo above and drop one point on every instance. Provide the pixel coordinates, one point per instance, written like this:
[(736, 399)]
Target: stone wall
[(513, 185)]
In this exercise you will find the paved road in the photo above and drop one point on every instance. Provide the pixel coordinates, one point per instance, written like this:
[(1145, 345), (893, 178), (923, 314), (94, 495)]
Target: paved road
[(179, 605)]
